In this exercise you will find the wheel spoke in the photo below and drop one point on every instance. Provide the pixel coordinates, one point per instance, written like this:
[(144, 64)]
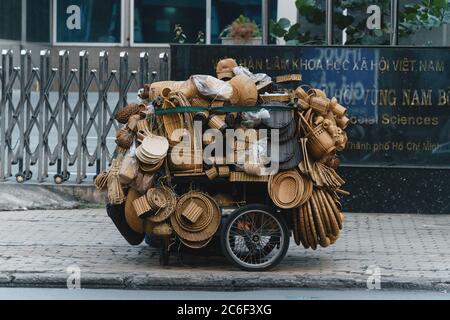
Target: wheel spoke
[(254, 238)]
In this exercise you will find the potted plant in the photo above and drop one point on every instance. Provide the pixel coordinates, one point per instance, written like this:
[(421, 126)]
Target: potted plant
[(241, 31)]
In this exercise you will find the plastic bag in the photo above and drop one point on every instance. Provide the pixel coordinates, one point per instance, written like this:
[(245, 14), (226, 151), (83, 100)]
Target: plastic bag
[(128, 169), (258, 77), (213, 88), (253, 119)]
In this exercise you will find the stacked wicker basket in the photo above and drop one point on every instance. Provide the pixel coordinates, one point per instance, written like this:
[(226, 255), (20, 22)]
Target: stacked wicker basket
[(305, 184)]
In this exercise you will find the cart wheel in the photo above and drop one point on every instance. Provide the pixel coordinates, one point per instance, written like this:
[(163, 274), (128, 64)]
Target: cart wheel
[(20, 178), (28, 174), (66, 175), (253, 238), (58, 179)]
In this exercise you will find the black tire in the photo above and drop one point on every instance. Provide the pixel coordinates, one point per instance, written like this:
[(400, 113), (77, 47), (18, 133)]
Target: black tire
[(279, 241)]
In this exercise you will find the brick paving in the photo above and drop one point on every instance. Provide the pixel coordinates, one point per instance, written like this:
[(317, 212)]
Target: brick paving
[(36, 247)]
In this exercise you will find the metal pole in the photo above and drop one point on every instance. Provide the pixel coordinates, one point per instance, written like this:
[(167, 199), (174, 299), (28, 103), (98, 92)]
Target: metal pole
[(144, 70), (3, 115), (80, 113), (104, 74), (208, 21), (265, 22), (394, 22), (329, 21), (23, 25)]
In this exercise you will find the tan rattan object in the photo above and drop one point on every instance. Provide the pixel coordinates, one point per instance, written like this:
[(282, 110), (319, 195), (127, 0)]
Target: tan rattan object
[(150, 169), (288, 77), (157, 199), (123, 115), (131, 216), (115, 191), (320, 105), (152, 150), (253, 169), (244, 177), (162, 229), (143, 127), (343, 122), (216, 122), (101, 181), (223, 171), (188, 89), (172, 122), (275, 97), (156, 88), (196, 245), (164, 213), (192, 212), (244, 91), (199, 102), (141, 206), (205, 227), (287, 189), (317, 93), (190, 162), (224, 69), (337, 109), (320, 143), (124, 138), (133, 122), (212, 173)]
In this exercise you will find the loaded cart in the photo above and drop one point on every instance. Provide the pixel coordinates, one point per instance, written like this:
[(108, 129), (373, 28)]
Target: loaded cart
[(236, 163)]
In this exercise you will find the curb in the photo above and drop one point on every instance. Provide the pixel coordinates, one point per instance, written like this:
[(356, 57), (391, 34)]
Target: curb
[(201, 281)]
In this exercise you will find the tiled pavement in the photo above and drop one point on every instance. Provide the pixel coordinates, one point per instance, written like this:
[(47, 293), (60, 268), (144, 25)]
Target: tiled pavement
[(37, 247)]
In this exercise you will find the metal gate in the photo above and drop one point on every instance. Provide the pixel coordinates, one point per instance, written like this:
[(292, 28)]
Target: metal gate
[(60, 120)]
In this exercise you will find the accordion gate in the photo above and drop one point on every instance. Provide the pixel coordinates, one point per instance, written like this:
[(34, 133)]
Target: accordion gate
[(69, 118)]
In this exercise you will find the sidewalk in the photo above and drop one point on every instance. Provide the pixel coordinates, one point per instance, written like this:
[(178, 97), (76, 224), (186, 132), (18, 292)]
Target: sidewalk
[(36, 247)]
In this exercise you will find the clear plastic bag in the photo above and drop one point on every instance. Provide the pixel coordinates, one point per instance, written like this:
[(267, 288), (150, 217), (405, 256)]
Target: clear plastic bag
[(253, 119), (213, 88), (258, 77)]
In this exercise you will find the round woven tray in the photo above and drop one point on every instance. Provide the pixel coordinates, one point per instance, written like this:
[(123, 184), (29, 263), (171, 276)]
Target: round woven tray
[(206, 226), (164, 213), (287, 189), (195, 245)]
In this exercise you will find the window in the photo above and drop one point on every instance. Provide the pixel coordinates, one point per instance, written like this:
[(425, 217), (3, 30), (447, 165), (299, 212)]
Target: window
[(10, 25), (362, 22), (298, 22), (38, 20), (224, 12), (96, 21), (424, 23), (155, 20)]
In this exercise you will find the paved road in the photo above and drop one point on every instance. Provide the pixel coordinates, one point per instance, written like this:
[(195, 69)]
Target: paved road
[(37, 247), (288, 294)]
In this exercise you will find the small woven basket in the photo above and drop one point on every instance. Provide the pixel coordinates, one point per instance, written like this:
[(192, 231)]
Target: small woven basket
[(142, 207)]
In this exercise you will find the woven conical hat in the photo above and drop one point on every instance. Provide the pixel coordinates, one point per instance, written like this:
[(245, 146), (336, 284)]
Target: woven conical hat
[(136, 223)]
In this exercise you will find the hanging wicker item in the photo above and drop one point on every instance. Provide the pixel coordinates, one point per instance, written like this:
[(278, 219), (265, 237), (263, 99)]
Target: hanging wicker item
[(123, 115), (115, 191)]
